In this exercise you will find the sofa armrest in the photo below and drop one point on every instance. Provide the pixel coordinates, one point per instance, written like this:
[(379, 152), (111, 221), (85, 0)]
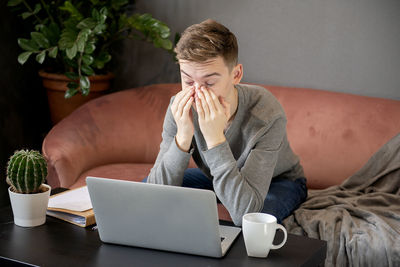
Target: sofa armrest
[(122, 127)]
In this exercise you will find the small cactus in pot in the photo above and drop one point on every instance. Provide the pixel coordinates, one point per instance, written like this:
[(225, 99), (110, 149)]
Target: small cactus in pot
[(29, 196), (26, 171)]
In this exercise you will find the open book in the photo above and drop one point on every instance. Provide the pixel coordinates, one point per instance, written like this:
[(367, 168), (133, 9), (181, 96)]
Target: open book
[(73, 206)]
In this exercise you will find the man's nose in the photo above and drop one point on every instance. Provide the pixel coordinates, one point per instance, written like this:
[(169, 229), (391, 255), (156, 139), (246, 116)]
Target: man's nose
[(198, 85)]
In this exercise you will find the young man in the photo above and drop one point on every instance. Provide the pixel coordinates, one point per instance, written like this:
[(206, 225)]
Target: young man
[(235, 133)]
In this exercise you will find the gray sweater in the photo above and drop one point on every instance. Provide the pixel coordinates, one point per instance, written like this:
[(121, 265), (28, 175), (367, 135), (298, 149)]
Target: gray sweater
[(241, 169)]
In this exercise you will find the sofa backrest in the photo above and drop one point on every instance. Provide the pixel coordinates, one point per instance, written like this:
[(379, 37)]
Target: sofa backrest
[(334, 134)]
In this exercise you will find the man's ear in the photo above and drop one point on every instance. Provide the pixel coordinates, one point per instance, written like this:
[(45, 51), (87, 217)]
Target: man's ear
[(237, 73)]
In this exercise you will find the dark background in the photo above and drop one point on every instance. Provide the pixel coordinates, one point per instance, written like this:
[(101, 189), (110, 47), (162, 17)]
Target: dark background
[(24, 115)]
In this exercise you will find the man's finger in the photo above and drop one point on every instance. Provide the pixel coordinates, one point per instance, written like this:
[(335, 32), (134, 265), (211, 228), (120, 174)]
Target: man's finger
[(188, 105), (204, 104), (183, 101), (199, 108), (216, 101), (209, 100)]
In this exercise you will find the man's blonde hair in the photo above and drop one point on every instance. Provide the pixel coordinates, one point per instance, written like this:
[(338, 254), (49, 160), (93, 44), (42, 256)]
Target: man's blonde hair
[(208, 40)]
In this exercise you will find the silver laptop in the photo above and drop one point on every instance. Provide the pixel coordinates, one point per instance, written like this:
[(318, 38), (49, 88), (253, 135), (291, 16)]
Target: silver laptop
[(159, 217)]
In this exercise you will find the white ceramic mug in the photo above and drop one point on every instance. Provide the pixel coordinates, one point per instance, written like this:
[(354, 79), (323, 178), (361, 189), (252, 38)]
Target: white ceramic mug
[(259, 232)]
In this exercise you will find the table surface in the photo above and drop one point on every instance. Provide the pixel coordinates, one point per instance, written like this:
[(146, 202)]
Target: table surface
[(58, 243)]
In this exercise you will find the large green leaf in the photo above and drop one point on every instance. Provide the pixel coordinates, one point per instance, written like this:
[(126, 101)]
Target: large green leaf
[(40, 39), (88, 23), (69, 7), (14, 2), (26, 15), (89, 48), (73, 90), (101, 60), (23, 57), (41, 56), (67, 40), (53, 52), (71, 52), (117, 4), (52, 33), (72, 76), (99, 28), (87, 59), (37, 8), (81, 39), (87, 70), (28, 45), (84, 85), (164, 43)]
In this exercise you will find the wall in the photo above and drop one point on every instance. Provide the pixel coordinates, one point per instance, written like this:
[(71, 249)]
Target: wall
[(348, 46)]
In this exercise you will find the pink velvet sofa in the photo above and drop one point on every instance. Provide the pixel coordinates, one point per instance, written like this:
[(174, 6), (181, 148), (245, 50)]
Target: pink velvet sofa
[(118, 135)]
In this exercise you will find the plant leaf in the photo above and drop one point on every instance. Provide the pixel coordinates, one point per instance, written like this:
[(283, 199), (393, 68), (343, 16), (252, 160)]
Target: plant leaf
[(39, 38), (117, 4), (95, 14), (72, 75), (28, 45), (26, 15), (102, 59), (89, 48), (84, 82), (38, 7), (68, 37), (69, 7), (23, 57), (99, 28), (71, 52), (41, 56), (87, 59), (14, 2), (88, 23), (81, 39), (53, 52), (52, 33), (73, 89), (87, 70)]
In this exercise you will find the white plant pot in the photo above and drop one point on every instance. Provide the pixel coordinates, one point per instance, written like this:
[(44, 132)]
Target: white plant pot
[(30, 209)]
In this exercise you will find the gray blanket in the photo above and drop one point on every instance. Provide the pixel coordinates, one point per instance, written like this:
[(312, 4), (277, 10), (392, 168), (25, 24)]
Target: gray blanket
[(360, 219)]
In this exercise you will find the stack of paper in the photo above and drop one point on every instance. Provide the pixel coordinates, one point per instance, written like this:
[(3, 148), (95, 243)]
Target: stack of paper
[(73, 206)]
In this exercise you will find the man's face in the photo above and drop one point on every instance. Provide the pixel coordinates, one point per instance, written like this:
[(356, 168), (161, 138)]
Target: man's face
[(213, 74)]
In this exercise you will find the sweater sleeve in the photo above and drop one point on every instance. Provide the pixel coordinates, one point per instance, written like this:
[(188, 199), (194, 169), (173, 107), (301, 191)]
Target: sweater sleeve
[(171, 162), (244, 190)]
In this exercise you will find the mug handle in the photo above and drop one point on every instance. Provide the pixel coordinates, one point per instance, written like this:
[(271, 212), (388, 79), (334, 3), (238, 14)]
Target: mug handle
[(278, 226)]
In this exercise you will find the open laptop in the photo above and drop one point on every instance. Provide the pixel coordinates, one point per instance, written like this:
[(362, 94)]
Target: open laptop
[(160, 217)]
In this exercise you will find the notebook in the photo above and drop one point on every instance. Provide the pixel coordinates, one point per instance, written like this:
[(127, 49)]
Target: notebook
[(159, 217)]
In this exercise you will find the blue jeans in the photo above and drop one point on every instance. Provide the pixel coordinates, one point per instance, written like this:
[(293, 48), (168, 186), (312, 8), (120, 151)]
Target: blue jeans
[(284, 196)]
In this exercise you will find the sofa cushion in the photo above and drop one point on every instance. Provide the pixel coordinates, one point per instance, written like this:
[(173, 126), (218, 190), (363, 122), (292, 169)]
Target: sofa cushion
[(123, 171)]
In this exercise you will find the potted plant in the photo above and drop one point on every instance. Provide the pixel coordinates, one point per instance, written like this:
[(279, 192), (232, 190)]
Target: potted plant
[(73, 41), (29, 196)]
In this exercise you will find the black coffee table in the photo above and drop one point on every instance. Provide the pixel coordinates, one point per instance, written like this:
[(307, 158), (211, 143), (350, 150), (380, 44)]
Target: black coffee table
[(58, 243)]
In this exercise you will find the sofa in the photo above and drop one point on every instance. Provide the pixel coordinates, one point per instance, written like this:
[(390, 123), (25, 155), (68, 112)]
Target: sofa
[(118, 135)]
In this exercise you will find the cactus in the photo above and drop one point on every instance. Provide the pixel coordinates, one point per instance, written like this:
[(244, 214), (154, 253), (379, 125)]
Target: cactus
[(26, 171)]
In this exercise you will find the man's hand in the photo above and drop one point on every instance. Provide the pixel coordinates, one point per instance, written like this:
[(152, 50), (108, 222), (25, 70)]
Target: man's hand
[(213, 116), (181, 111)]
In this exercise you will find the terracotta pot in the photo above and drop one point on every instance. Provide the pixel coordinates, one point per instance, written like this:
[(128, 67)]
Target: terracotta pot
[(56, 86)]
